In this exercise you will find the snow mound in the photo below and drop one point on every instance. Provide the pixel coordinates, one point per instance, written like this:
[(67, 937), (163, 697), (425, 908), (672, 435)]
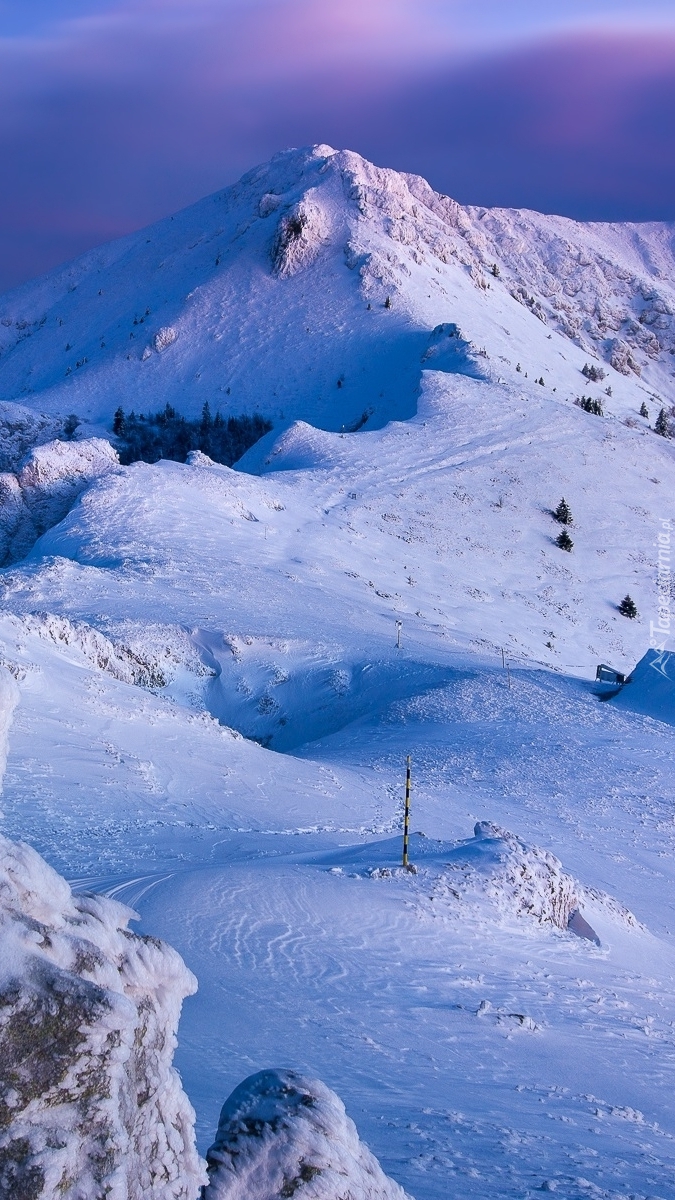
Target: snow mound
[(301, 447), (650, 688), (522, 880), (90, 1104), (197, 458), (494, 868), (49, 480), (280, 1135)]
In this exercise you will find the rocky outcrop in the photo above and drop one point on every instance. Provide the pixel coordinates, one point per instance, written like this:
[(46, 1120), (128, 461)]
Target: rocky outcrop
[(90, 1105), (48, 482), (280, 1135)]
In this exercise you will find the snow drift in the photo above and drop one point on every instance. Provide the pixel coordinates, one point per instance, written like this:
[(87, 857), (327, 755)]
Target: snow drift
[(280, 1135), (90, 1104), (650, 688)]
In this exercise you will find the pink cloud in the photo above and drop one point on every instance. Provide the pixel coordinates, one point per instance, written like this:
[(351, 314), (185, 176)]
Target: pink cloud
[(118, 119)]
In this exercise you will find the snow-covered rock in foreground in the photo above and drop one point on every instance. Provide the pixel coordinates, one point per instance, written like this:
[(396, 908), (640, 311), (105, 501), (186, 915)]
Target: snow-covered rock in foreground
[(281, 1134), (46, 485), (90, 1104)]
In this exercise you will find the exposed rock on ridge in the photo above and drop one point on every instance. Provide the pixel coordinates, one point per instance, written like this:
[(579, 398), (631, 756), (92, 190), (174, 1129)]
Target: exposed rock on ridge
[(90, 1104), (46, 485)]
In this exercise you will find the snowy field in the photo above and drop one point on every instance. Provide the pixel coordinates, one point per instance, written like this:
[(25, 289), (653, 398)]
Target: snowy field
[(212, 714)]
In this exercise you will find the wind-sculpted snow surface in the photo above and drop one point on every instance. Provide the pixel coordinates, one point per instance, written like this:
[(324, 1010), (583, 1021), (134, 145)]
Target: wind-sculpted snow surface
[(46, 485), (281, 1135), (90, 1104)]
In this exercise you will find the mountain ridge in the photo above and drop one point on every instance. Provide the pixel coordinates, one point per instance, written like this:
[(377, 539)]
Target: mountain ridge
[(256, 298)]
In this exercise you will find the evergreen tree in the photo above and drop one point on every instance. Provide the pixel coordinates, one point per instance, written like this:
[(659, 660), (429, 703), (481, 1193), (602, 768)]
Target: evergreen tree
[(387, 303), (628, 608), (593, 373), (495, 270), (564, 541), (167, 434), (118, 422), (590, 406), (70, 425), (644, 411), (563, 513), (662, 425), (205, 429)]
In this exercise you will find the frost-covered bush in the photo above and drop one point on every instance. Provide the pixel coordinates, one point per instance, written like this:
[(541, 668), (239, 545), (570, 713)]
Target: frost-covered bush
[(164, 337)]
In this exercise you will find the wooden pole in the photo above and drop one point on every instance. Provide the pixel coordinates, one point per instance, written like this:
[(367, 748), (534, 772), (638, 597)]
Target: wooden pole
[(406, 817)]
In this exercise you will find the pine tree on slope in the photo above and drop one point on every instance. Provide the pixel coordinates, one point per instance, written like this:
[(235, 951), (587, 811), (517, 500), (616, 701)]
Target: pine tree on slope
[(563, 513), (662, 425)]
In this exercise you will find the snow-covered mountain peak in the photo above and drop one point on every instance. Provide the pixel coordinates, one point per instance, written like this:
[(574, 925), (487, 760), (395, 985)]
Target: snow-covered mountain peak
[(309, 289)]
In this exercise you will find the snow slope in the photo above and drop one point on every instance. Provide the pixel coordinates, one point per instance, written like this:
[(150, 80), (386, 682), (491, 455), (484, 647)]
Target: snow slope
[(213, 712)]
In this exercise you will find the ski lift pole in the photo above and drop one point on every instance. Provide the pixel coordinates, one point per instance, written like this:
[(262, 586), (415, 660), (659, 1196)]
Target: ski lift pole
[(406, 816)]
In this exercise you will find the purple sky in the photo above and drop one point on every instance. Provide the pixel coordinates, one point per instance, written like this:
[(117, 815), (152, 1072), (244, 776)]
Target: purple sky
[(116, 112)]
